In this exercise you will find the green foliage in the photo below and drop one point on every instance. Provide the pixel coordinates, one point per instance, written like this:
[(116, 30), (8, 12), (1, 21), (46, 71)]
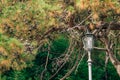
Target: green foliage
[(33, 72), (3, 77), (24, 41), (11, 53), (60, 44)]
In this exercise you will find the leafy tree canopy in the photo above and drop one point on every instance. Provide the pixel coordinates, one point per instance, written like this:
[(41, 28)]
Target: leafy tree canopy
[(31, 28)]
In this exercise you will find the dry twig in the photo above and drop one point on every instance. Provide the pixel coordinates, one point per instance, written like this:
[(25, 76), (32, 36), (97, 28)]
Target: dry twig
[(41, 76)]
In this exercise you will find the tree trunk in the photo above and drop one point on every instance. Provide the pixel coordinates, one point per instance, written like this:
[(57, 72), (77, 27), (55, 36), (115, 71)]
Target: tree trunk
[(113, 60)]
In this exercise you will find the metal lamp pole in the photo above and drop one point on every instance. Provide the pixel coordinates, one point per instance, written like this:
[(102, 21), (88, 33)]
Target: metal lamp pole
[(89, 65), (88, 46)]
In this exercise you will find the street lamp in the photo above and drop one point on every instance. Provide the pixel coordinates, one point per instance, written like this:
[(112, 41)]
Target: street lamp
[(88, 42)]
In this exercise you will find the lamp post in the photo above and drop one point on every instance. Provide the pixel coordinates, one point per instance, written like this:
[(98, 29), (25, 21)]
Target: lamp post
[(88, 46)]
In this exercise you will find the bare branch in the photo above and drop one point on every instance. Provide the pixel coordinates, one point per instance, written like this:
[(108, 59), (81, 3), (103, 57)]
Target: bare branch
[(106, 62), (41, 77), (71, 70), (113, 60), (69, 52), (57, 70), (102, 49), (80, 62), (113, 25)]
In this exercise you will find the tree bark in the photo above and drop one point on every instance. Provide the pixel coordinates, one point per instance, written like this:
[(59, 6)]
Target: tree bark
[(105, 25), (113, 60)]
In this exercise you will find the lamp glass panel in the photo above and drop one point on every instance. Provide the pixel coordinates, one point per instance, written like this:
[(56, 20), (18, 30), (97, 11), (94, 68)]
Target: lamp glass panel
[(89, 42)]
